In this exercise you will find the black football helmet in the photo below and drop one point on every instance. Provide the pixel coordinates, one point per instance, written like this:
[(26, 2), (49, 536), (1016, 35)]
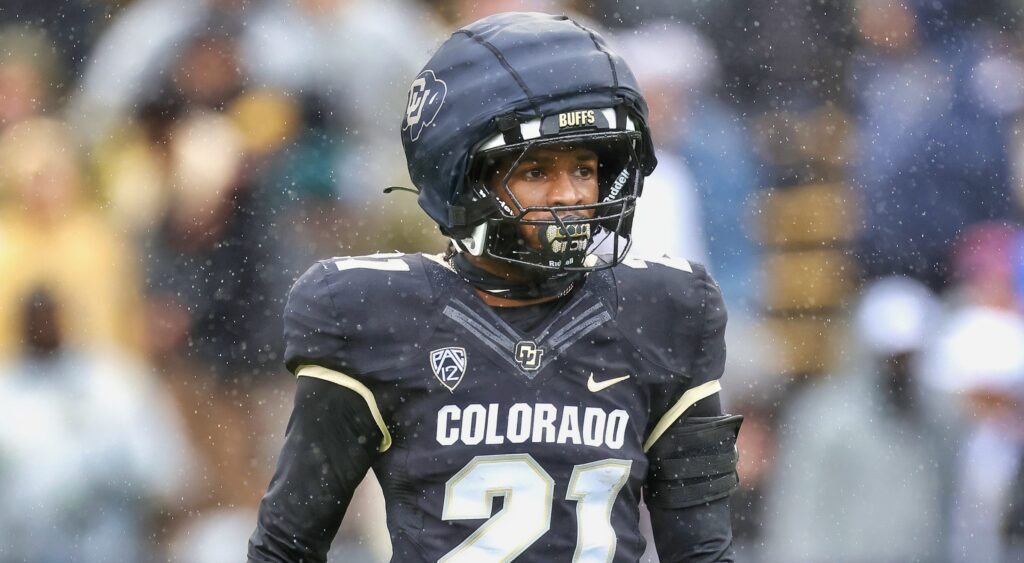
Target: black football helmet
[(502, 86)]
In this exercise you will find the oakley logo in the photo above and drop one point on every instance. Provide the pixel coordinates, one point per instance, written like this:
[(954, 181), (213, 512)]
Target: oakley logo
[(528, 355), (426, 95)]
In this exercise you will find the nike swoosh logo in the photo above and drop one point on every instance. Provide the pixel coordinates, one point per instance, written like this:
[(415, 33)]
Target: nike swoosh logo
[(595, 386)]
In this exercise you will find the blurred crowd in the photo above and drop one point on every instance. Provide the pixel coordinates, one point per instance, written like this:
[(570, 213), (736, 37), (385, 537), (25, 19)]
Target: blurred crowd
[(852, 172)]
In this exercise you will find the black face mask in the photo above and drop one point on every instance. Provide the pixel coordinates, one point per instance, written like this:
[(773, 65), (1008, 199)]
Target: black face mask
[(537, 285), (585, 237)]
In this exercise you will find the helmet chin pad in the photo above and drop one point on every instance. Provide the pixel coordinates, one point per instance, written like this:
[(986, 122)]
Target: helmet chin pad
[(475, 243)]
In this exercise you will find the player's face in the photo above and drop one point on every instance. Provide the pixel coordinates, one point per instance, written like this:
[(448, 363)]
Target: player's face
[(548, 176)]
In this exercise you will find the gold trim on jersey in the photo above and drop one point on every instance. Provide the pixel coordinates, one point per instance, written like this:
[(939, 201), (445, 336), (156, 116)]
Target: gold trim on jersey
[(349, 382), (689, 398)]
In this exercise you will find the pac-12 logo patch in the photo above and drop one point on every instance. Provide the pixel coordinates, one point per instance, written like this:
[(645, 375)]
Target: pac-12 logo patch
[(449, 365), (528, 355), (426, 95)]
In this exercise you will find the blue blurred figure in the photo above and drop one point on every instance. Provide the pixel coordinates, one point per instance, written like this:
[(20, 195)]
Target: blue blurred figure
[(91, 449), (931, 155), (713, 141)]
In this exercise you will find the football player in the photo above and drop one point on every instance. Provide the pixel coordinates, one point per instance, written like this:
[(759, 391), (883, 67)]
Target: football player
[(519, 395)]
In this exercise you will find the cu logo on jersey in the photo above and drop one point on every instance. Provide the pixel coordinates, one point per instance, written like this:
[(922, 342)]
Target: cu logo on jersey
[(449, 365), (528, 355), (426, 95)]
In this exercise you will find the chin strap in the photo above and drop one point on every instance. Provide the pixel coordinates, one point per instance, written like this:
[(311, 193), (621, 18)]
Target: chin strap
[(544, 284)]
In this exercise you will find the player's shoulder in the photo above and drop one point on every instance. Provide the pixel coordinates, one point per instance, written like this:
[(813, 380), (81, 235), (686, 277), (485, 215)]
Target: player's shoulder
[(666, 307), (345, 278), (360, 313), (645, 285)]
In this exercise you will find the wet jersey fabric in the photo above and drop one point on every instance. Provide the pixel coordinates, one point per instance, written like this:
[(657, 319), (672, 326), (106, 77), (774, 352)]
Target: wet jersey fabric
[(499, 444)]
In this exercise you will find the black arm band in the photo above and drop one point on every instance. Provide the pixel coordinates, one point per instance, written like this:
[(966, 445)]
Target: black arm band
[(694, 462)]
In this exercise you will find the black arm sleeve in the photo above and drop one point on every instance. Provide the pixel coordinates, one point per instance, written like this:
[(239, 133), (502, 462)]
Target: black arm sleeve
[(330, 443), (695, 534)]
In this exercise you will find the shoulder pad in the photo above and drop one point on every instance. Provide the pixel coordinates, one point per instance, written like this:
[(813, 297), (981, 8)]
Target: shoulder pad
[(672, 312), (358, 314)]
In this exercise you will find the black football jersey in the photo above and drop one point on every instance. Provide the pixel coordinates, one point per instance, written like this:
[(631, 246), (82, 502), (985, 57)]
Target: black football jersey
[(500, 444)]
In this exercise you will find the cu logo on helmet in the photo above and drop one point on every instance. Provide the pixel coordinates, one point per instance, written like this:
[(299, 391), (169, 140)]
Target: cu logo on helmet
[(528, 355), (426, 95)]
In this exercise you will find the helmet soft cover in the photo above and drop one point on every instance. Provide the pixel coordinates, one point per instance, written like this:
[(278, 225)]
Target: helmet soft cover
[(502, 86)]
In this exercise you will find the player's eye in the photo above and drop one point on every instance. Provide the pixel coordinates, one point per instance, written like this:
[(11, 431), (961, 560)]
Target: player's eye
[(586, 171), (533, 173)]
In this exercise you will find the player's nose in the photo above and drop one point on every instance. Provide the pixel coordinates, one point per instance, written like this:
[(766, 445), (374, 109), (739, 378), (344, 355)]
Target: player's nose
[(564, 191)]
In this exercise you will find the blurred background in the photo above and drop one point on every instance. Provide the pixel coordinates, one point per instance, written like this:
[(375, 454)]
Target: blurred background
[(852, 171)]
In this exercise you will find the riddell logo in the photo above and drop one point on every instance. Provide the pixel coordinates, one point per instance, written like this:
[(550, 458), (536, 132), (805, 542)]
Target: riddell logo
[(426, 96), (617, 185)]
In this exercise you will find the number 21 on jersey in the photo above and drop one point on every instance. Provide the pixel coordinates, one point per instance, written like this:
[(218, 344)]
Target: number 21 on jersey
[(528, 493)]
